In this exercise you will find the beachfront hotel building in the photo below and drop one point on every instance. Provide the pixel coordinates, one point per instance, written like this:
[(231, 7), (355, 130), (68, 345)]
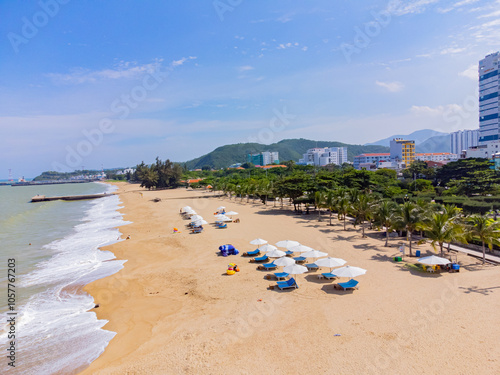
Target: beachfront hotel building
[(463, 139), (402, 151), (370, 158), (324, 156), (263, 158), (489, 125), (436, 156)]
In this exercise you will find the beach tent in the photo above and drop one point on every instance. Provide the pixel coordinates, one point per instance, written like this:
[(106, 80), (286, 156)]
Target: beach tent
[(433, 260), (228, 250)]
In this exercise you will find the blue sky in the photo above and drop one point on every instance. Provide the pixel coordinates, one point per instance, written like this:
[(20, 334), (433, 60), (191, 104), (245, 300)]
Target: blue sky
[(91, 83)]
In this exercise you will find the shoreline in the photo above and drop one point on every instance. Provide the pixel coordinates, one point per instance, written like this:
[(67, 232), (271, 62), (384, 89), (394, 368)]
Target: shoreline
[(174, 310)]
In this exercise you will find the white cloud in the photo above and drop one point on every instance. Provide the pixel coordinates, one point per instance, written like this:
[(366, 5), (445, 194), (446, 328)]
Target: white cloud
[(124, 70), (470, 72), (285, 18), (245, 68), (182, 61), (451, 50), (457, 5), (400, 8), (390, 86)]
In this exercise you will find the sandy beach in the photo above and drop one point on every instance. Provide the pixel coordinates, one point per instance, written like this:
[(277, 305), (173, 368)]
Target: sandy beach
[(176, 311)]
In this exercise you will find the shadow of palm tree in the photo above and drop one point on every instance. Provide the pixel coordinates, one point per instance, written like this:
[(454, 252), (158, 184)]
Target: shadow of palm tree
[(476, 289), (366, 247)]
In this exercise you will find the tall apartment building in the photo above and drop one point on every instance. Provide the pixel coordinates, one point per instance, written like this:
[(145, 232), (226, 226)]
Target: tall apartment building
[(489, 125), (463, 139), (402, 151), (263, 158), (324, 156)]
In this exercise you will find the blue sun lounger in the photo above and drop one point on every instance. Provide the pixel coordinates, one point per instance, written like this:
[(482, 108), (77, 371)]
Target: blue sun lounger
[(329, 275), (267, 266), (252, 253), (221, 226), (289, 253), (281, 275), (312, 267), (300, 259), (351, 284), (290, 283), (260, 259)]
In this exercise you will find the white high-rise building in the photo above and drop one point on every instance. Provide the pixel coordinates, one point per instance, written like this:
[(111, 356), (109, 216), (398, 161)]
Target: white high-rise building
[(325, 156), (489, 125), (463, 139)]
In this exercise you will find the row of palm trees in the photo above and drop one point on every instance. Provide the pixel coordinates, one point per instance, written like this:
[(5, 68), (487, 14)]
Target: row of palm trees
[(439, 224)]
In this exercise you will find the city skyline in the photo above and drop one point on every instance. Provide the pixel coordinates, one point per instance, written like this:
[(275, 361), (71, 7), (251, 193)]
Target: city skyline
[(178, 80)]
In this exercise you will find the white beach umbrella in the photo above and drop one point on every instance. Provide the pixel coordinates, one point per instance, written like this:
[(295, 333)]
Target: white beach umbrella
[(267, 247), (275, 254), (330, 262), (287, 244), (284, 261), (295, 269), (349, 271), (219, 216), (433, 260), (186, 208), (197, 223), (258, 241), (314, 254), (189, 212), (196, 217), (221, 208), (300, 248), (225, 218), (231, 213)]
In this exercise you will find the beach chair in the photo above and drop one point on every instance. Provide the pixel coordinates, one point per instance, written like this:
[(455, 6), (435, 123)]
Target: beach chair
[(260, 259), (197, 230), (281, 275), (289, 253), (300, 260), (290, 283), (312, 267), (267, 266), (252, 253), (221, 226), (329, 275), (351, 284)]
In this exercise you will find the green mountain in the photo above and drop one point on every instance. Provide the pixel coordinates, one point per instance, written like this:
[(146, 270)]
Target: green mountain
[(289, 149), (438, 143)]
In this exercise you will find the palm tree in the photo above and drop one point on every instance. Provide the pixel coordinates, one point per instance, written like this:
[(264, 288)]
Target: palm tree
[(384, 215), (330, 203), (319, 197), (410, 217), (362, 209), (441, 228), (343, 206), (485, 230)]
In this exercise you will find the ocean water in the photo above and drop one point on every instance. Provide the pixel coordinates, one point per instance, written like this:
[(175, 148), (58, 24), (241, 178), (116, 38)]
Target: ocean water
[(56, 247)]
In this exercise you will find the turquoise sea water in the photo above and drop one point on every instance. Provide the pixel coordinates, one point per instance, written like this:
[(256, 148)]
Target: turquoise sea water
[(56, 250)]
